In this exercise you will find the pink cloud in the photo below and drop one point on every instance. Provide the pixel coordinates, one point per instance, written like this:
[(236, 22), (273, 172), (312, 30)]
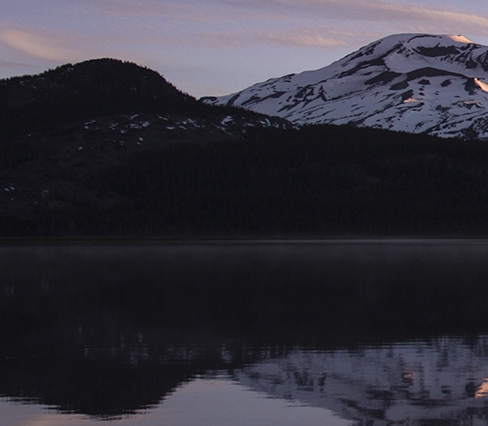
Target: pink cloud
[(39, 44)]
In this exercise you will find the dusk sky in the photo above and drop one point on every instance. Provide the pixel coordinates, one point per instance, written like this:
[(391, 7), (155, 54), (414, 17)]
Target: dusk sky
[(216, 47)]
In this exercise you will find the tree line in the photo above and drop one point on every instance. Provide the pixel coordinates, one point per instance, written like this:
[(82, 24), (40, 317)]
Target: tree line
[(314, 181)]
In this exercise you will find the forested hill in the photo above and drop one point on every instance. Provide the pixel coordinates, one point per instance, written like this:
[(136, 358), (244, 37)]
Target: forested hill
[(88, 90), (128, 155)]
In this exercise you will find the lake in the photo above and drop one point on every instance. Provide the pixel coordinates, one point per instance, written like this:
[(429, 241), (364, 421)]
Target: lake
[(345, 332)]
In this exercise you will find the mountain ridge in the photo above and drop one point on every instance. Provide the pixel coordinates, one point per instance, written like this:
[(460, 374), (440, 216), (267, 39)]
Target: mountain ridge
[(418, 83), (90, 90)]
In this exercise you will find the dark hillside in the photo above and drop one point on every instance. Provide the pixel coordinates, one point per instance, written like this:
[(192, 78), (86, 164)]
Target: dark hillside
[(318, 181), (119, 152), (86, 90), (314, 182)]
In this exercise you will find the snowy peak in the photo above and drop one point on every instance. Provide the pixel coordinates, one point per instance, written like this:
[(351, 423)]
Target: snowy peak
[(419, 83), (409, 52)]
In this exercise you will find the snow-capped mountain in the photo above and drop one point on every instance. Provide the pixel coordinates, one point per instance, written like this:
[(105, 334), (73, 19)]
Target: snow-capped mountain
[(435, 84)]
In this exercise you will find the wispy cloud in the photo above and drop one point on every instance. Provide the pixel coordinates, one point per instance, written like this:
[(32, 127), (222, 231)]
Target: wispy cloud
[(62, 47), (372, 10), (435, 17), (302, 37), (40, 45), (206, 11)]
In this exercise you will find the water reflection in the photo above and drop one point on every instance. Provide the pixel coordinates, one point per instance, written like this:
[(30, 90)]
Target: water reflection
[(217, 400), (368, 330), (398, 383)]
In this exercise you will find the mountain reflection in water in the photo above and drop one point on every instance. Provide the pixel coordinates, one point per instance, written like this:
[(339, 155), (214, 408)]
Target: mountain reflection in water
[(374, 332), (418, 381)]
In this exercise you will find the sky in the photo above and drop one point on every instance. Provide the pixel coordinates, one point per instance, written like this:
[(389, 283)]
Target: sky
[(217, 47)]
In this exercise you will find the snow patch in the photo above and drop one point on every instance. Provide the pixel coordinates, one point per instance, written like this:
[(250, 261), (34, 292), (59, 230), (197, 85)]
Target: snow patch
[(88, 124), (473, 102), (411, 100)]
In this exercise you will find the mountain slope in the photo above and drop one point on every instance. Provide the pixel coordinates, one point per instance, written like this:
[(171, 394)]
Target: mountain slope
[(417, 83), (62, 129), (90, 90), (86, 90)]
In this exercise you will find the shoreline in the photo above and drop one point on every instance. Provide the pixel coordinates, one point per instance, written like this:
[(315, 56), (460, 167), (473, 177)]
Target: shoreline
[(239, 240)]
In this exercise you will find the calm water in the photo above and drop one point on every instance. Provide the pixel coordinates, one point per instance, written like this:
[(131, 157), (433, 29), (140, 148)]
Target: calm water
[(269, 333)]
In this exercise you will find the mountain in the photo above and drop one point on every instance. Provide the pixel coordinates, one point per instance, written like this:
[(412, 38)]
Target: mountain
[(90, 90), (418, 83), (61, 130), (106, 148), (86, 90)]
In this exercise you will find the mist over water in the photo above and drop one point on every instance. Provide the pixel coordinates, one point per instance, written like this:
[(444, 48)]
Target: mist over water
[(340, 332)]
